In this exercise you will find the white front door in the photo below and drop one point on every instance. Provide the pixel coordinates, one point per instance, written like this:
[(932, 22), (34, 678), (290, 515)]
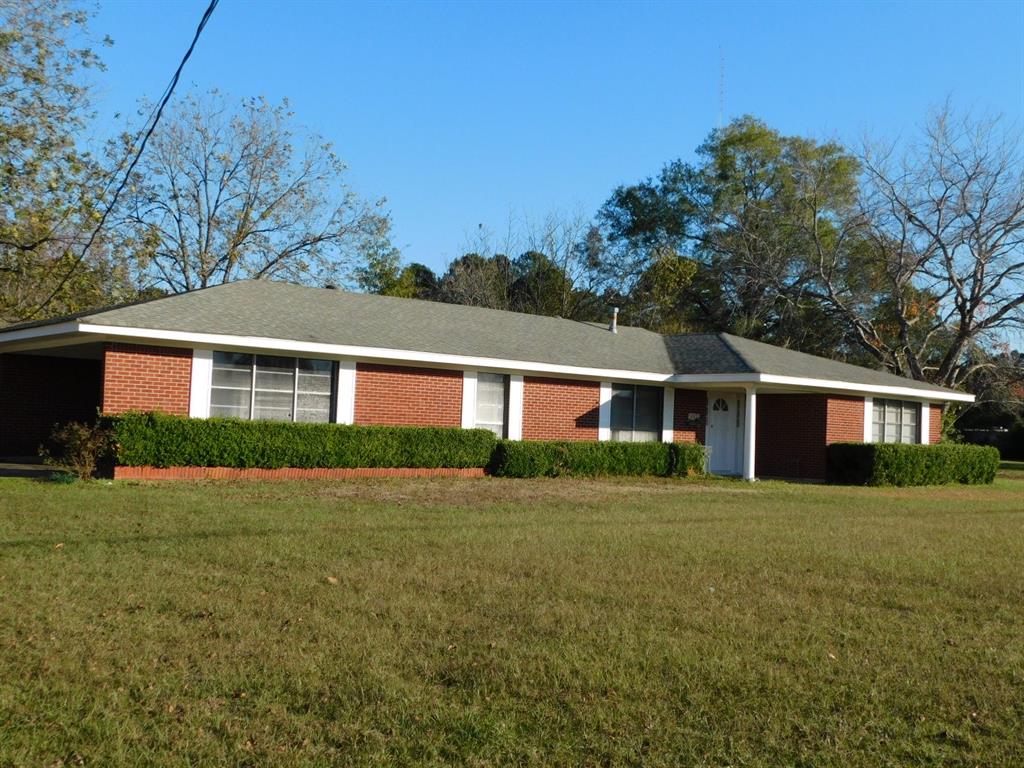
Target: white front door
[(725, 432)]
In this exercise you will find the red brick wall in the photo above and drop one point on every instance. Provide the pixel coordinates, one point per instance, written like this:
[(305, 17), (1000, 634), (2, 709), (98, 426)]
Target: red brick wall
[(144, 378), (845, 420), (560, 409), (399, 395), (793, 430), (689, 401), (934, 415), (37, 392)]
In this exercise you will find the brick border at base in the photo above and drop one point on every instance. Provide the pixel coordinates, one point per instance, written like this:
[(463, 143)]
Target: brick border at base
[(285, 473)]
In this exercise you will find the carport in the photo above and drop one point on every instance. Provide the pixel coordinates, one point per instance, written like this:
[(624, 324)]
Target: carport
[(40, 388)]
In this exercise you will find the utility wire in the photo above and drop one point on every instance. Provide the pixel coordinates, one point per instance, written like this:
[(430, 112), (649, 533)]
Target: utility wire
[(152, 122)]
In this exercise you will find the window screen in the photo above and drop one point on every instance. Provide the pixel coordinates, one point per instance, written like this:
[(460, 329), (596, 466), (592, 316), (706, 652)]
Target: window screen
[(231, 393), (895, 421), (269, 387), (274, 394), (636, 413), (491, 403)]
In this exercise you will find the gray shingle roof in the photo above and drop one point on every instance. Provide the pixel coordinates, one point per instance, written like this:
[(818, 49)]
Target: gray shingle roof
[(275, 310)]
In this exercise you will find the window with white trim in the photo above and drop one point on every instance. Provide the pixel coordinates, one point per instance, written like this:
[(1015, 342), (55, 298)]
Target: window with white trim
[(636, 413), (247, 386), (492, 403), (895, 421)]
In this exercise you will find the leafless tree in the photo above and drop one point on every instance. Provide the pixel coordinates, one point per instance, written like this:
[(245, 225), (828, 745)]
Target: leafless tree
[(538, 265), (224, 192), (931, 269)]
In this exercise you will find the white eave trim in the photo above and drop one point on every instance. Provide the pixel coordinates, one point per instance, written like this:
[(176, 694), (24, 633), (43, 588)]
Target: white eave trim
[(863, 389), (220, 341)]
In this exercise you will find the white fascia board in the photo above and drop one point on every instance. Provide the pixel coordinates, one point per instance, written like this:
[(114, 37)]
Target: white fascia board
[(337, 351), (42, 332), (864, 389), (222, 341)]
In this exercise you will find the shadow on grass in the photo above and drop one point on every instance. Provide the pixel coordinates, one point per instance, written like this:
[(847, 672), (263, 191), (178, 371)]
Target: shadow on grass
[(47, 543)]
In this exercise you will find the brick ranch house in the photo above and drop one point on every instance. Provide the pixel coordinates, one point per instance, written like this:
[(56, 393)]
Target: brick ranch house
[(266, 350)]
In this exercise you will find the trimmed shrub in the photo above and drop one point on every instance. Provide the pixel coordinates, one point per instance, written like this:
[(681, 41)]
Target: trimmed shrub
[(160, 440), (517, 458), (903, 465), (688, 459)]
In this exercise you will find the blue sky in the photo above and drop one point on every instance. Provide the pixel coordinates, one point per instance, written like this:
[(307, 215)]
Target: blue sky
[(462, 113)]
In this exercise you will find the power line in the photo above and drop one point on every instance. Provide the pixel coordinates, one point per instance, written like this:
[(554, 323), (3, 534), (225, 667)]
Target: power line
[(152, 121)]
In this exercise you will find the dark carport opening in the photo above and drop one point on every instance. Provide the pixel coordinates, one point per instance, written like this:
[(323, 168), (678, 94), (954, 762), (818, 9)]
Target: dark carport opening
[(39, 389)]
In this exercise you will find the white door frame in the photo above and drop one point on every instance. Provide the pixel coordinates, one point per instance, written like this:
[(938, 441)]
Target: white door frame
[(726, 448)]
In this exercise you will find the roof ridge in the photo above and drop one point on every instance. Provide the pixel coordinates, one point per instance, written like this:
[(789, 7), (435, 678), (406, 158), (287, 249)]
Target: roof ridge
[(727, 340)]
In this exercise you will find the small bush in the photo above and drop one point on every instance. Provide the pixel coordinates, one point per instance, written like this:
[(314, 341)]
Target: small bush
[(903, 465), (160, 440), (78, 447), (516, 458), (688, 459)]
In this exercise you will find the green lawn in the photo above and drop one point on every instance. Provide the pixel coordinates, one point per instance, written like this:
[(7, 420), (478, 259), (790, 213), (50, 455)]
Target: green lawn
[(491, 622)]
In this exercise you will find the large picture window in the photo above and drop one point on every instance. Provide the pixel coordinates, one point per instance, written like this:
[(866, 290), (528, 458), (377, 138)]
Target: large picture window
[(492, 403), (267, 387), (895, 421), (636, 413)]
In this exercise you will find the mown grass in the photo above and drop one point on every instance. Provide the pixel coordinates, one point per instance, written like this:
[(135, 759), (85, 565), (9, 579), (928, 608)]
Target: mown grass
[(1013, 470), (492, 622)]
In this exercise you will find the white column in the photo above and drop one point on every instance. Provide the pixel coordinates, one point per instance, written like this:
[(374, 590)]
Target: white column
[(202, 380), (869, 415), (750, 435), (515, 407), (346, 388), (926, 411), (668, 412), (604, 412), (468, 399)]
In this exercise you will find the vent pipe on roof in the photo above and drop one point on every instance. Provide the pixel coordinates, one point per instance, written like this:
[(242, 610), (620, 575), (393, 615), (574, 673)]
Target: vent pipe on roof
[(614, 327)]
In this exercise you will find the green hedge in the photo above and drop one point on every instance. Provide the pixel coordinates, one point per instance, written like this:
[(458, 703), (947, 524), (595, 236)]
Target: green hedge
[(160, 440), (899, 464), (514, 458)]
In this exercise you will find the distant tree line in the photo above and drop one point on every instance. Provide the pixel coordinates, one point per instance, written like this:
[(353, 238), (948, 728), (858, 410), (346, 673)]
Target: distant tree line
[(909, 259)]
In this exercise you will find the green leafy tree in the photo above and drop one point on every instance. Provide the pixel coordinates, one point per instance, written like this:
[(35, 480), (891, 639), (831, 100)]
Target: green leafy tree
[(743, 216), (49, 188)]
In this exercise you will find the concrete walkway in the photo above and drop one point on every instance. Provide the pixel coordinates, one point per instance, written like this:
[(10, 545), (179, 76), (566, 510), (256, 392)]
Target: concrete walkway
[(24, 466)]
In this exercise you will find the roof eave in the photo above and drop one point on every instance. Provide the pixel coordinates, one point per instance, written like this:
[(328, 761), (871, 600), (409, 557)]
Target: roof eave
[(42, 336)]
